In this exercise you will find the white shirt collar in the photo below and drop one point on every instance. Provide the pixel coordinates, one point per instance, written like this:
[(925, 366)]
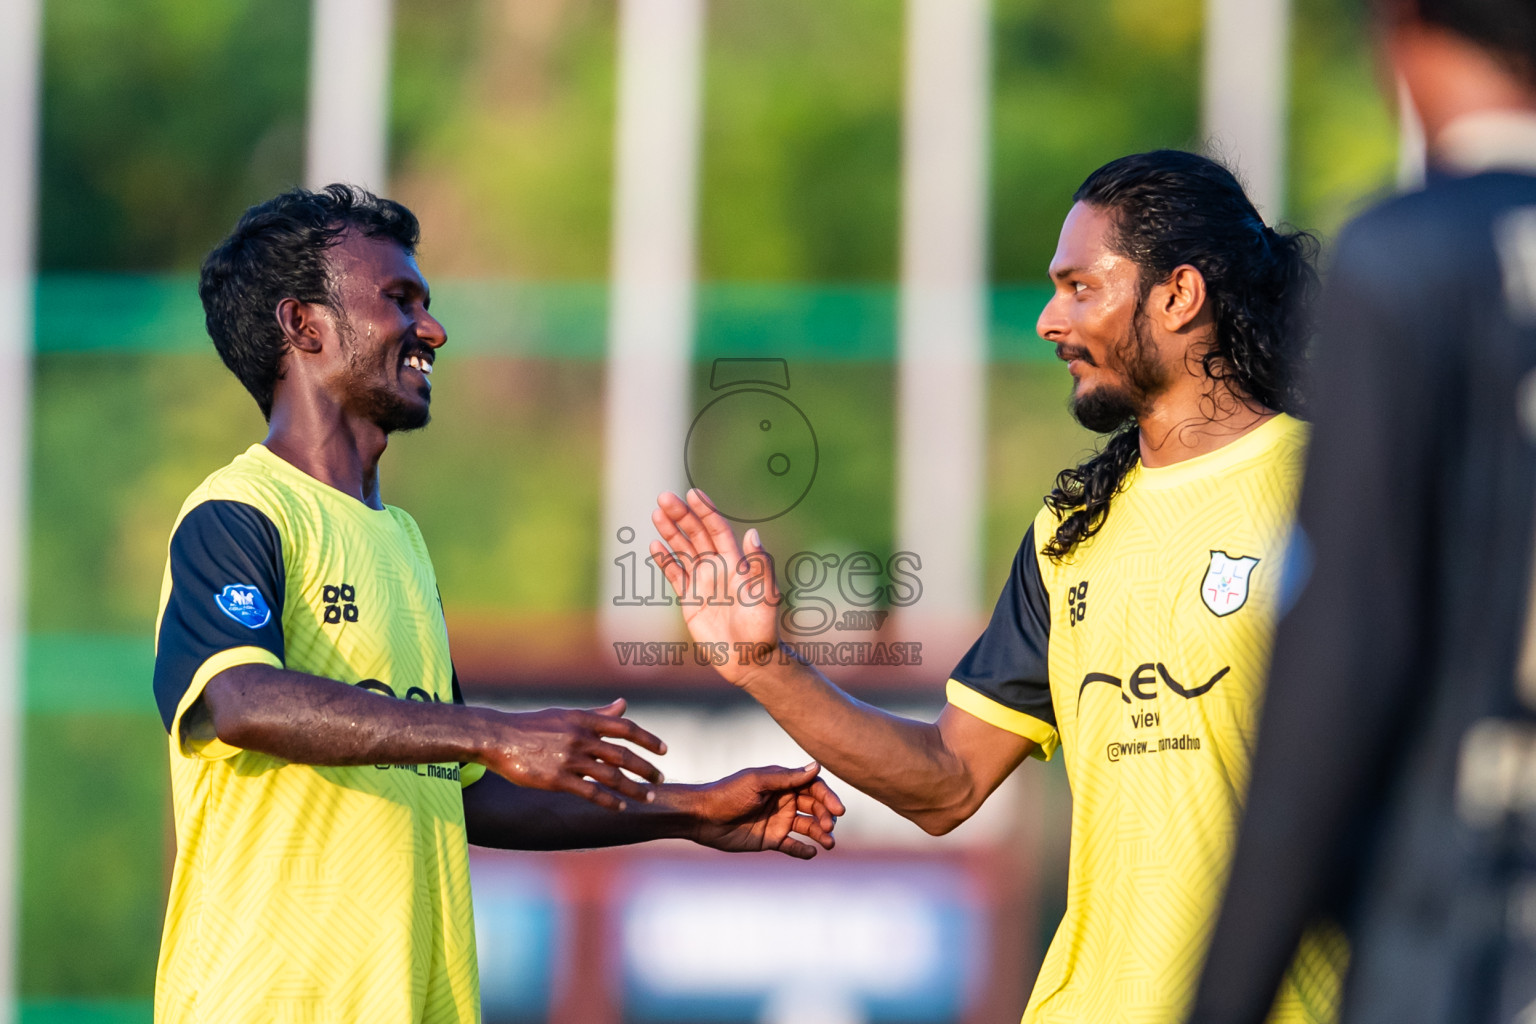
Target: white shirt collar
[(1491, 140)]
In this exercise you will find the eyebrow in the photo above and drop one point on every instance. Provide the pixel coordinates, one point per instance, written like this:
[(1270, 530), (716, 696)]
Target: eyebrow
[(1064, 272)]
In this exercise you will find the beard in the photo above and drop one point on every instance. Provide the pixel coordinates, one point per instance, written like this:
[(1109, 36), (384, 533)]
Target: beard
[(370, 395), (1112, 405)]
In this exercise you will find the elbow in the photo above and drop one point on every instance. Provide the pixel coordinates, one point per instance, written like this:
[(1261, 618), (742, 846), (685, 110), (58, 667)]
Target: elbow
[(942, 819), (230, 724), (226, 711), (938, 824)]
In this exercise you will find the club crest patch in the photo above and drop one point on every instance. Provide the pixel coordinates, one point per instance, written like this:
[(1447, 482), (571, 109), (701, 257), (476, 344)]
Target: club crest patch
[(1225, 587), (244, 604)]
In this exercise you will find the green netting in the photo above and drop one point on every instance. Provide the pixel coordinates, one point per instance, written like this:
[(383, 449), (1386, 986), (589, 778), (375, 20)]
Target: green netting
[(543, 320), (87, 1011)]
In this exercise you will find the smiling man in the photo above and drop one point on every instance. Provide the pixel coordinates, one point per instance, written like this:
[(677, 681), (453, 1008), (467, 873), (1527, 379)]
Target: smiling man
[(326, 774), (1133, 630)]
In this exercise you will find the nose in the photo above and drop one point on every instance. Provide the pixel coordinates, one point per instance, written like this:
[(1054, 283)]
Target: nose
[(430, 330), (1053, 325)]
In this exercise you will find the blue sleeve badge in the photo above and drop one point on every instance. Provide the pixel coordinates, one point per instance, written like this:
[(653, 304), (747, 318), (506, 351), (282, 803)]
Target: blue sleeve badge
[(244, 604)]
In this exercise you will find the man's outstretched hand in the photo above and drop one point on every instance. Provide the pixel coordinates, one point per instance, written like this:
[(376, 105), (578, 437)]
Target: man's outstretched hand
[(702, 560), (569, 751), (761, 809), (312, 720)]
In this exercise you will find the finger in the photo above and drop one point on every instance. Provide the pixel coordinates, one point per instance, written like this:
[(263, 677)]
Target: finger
[(613, 709), (622, 757), (795, 848), (776, 778), (670, 567), (823, 792), (807, 803), (807, 826), (721, 536), (698, 535), (607, 774), (594, 793), (759, 565), (667, 527), (624, 729)]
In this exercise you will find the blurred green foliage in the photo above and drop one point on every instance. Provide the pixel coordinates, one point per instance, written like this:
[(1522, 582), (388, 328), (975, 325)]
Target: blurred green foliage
[(1073, 91), (802, 137), (504, 134), (93, 854), (502, 125), (162, 120), (1343, 134)]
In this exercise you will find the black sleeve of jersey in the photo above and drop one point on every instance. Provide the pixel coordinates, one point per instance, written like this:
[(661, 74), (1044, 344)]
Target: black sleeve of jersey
[(1008, 662), (1346, 653), (222, 554)]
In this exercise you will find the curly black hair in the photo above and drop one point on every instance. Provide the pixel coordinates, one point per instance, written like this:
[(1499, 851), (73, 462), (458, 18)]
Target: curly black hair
[(1167, 209), (278, 251)]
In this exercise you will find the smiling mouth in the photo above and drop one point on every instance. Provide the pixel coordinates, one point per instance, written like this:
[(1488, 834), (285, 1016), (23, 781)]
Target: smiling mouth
[(419, 362), (1074, 354)]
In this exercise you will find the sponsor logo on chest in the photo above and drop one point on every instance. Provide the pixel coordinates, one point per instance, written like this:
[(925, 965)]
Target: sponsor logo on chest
[(338, 603)]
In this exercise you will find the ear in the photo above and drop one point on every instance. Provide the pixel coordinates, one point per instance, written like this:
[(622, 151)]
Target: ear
[(1174, 304), (303, 324)]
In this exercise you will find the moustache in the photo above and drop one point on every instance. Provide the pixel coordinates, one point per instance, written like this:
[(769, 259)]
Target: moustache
[(1066, 353)]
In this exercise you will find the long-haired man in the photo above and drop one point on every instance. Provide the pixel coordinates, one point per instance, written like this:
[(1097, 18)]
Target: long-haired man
[(1135, 625)]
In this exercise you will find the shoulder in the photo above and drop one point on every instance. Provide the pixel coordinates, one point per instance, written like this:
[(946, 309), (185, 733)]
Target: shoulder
[(1445, 229), (243, 482), (1031, 556), (1291, 438), (404, 520), (1044, 526), (410, 530)]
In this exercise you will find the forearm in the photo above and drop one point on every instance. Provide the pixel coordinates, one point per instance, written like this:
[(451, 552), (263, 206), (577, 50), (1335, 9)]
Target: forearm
[(905, 764), (312, 720), (503, 816)]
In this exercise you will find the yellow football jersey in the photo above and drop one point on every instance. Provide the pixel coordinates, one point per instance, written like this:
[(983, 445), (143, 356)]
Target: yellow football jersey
[(299, 893), (1142, 657)]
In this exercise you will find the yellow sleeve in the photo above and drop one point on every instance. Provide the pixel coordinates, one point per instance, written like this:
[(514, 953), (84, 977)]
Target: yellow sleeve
[(197, 739), (990, 711)]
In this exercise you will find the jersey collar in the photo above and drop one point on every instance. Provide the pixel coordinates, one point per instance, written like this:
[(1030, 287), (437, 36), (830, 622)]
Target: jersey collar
[(1253, 445)]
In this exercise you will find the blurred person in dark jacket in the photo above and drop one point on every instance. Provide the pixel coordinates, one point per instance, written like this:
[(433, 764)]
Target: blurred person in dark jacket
[(1394, 781)]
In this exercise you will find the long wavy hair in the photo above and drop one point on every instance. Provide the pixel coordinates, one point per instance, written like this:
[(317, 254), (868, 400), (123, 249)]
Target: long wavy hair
[(1168, 209)]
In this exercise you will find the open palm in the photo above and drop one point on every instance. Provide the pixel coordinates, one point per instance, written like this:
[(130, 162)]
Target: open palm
[(728, 595)]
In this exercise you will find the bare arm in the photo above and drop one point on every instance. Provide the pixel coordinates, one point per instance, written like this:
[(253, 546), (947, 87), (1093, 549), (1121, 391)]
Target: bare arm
[(935, 774), (311, 720), (756, 809)]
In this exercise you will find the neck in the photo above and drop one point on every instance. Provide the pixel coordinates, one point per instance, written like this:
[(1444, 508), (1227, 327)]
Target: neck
[(334, 448), (1450, 77), (1184, 424)]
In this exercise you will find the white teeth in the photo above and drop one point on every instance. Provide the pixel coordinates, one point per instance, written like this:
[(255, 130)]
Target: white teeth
[(418, 363)]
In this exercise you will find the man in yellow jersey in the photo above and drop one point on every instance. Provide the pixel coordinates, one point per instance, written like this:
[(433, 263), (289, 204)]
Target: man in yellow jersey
[(1135, 625), (326, 773)]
